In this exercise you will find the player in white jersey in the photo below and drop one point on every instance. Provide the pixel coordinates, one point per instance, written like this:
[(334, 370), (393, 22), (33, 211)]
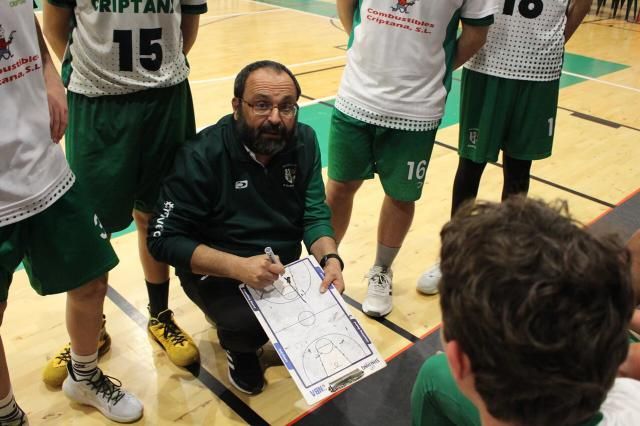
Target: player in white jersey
[(510, 97), (389, 105), (130, 108), (44, 220)]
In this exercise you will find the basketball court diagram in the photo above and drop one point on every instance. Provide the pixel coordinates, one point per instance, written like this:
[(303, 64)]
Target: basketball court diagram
[(314, 334)]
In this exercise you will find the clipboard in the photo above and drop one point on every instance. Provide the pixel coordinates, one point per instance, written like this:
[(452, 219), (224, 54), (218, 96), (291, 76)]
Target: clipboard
[(324, 348)]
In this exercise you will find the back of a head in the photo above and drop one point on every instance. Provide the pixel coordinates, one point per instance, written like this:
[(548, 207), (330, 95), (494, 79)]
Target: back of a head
[(540, 307)]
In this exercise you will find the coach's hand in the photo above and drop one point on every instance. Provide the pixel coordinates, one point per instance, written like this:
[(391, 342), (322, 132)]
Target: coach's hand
[(259, 272), (332, 274)]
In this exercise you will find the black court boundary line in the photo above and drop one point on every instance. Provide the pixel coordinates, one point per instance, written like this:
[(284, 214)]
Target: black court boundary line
[(545, 181), (384, 321), (214, 385), (598, 120), (533, 177)]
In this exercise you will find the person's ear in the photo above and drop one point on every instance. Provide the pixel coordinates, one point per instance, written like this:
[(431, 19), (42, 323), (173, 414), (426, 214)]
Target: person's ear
[(459, 362), (235, 104)]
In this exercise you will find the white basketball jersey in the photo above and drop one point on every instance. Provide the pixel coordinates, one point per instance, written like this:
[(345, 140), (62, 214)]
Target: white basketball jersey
[(33, 170), (125, 46), (400, 59), (526, 42)]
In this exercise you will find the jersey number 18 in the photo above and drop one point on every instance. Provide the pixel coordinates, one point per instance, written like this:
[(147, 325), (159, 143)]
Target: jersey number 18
[(528, 8), (150, 48)]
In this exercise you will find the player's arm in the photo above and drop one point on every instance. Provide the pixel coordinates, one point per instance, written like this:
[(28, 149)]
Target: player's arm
[(473, 37), (57, 25), (189, 26), (56, 96), (346, 9), (576, 12)]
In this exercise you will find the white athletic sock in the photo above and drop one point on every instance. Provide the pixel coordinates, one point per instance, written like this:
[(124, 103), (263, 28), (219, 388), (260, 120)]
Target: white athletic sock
[(9, 410), (385, 256), (84, 366)]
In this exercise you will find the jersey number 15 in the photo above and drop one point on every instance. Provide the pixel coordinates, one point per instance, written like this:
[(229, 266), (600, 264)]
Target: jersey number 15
[(150, 48)]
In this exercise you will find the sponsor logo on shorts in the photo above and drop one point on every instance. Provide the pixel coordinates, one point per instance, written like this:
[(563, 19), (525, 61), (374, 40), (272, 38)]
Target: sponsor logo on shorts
[(241, 184), (474, 134), (96, 222)]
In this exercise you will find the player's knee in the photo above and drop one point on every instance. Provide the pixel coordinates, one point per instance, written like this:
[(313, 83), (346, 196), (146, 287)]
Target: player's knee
[(337, 189), (402, 205), (92, 292)]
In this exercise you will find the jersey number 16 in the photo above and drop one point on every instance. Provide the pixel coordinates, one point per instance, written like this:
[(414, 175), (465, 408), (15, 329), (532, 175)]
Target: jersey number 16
[(150, 48)]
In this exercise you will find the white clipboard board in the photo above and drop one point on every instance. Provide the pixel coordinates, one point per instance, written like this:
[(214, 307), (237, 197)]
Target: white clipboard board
[(322, 345)]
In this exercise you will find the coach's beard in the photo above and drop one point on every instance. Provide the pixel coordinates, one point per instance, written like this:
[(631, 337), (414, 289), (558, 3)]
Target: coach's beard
[(267, 139)]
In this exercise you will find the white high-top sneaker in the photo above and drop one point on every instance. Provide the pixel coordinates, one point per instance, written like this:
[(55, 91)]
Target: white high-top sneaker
[(103, 393), (378, 302), (428, 281)]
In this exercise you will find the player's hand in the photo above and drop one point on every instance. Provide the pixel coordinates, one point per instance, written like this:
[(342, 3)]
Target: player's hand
[(332, 274), (58, 111), (258, 271)]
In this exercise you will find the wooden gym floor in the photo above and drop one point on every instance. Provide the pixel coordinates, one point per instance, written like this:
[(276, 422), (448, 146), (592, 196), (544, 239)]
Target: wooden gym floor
[(594, 166)]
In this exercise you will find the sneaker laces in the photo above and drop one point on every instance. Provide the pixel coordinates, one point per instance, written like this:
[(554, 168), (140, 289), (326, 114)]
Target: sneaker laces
[(108, 386), (173, 333), (65, 356), (379, 282)]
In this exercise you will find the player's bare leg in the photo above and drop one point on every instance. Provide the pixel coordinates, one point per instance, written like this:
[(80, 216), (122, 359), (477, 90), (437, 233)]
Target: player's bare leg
[(179, 346), (340, 197)]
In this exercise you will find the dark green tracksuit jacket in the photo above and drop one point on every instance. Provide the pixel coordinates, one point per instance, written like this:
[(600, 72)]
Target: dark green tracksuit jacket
[(218, 195)]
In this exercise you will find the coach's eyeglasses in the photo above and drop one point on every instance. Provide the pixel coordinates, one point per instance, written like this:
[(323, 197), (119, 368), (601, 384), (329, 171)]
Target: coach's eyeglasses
[(263, 108)]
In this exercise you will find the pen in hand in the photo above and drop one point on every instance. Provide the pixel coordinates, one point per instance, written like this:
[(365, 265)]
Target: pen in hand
[(272, 257), (270, 254)]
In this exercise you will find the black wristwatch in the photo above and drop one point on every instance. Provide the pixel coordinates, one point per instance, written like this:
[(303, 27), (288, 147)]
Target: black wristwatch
[(326, 257)]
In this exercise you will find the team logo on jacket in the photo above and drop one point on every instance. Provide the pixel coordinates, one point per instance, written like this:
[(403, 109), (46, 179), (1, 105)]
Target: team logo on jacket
[(402, 6), (289, 171), (5, 50)]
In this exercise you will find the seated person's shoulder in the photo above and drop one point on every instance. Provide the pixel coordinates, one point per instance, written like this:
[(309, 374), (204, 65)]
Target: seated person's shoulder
[(306, 134), (209, 142)]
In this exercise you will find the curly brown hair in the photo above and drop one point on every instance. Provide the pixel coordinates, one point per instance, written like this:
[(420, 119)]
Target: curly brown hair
[(540, 307)]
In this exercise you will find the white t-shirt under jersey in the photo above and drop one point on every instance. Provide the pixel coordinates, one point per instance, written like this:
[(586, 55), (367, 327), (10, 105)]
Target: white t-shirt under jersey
[(622, 406), (125, 46), (526, 42), (33, 170), (400, 60)]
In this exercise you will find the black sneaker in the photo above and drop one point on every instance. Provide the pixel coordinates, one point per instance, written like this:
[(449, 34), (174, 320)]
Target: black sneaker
[(245, 372)]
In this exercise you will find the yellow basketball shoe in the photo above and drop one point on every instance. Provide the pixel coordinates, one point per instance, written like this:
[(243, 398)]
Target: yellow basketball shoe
[(55, 371), (179, 346)]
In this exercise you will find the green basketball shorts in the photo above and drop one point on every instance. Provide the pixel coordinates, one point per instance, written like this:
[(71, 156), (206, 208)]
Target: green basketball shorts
[(357, 150), (121, 147), (515, 116), (63, 247)]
